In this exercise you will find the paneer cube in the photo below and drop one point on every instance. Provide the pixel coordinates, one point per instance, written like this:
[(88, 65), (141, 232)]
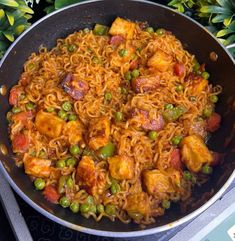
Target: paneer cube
[(157, 182), (37, 167), (86, 174), (48, 124), (99, 132), (74, 130), (123, 28), (121, 167), (198, 85), (160, 61), (195, 153), (138, 204)]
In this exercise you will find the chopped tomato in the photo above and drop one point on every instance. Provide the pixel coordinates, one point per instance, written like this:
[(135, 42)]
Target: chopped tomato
[(22, 116), (134, 64), (51, 194), (20, 143), (14, 95), (213, 122), (179, 69), (116, 40), (176, 160), (24, 79)]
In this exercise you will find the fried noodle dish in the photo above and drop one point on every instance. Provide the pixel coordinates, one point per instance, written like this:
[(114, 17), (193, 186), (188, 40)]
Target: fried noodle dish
[(112, 122)]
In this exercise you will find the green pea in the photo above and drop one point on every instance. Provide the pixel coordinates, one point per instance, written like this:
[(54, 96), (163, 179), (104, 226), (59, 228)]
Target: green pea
[(196, 67), (50, 109), (205, 75), (64, 202), (74, 150), (86, 30), (152, 135), (90, 200), (176, 140), (16, 110), (96, 60), (124, 91), (149, 30), (62, 114), (71, 162), (207, 112), (100, 30), (42, 153), (31, 66), (93, 209), (85, 208), (169, 107), (127, 75), (72, 117), (61, 183), (110, 209), (72, 48), (107, 151), (118, 116), (187, 175), (22, 96), (166, 204), (30, 106), (115, 188), (135, 215), (67, 106), (179, 88), (123, 52), (100, 208), (108, 96), (135, 73), (206, 169), (160, 31), (60, 164), (69, 182), (39, 183), (33, 153), (74, 207), (214, 98)]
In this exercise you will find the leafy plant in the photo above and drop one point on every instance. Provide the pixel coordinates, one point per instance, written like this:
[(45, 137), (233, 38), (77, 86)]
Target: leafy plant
[(57, 4), (14, 16)]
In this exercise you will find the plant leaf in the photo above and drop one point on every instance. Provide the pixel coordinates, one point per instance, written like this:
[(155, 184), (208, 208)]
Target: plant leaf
[(49, 9), (10, 18), (63, 3), (219, 18), (9, 35), (224, 32), (2, 14), (19, 29), (215, 9), (227, 21), (231, 39), (25, 9), (10, 3), (224, 3)]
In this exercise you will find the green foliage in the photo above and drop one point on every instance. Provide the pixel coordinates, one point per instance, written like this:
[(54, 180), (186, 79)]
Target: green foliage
[(57, 4)]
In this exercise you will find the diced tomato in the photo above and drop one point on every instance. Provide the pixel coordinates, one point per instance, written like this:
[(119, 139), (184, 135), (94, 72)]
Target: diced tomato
[(14, 95), (216, 159), (179, 69), (20, 143), (134, 64), (213, 122), (24, 79), (51, 194), (176, 160), (23, 116), (116, 40)]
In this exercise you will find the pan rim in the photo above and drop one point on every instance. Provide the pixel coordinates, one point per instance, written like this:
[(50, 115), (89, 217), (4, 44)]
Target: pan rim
[(92, 231)]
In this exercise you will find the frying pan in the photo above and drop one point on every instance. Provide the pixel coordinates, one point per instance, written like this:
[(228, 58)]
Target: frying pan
[(194, 38)]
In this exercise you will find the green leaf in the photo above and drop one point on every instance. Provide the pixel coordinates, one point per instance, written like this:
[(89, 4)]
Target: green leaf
[(25, 9), (3, 45), (227, 21), (224, 3), (49, 9), (9, 35), (173, 2), (19, 29), (10, 18), (10, 3), (224, 32), (215, 9), (219, 18), (63, 3), (2, 14), (231, 39)]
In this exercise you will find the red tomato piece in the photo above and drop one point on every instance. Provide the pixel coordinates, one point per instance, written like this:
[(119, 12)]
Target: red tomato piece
[(134, 64), (20, 143), (213, 122), (176, 159), (179, 69), (22, 116), (14, 96), (51, 194), (116, 40)]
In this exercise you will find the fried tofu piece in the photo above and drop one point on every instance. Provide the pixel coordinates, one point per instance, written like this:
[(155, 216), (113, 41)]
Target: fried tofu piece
[(74, 131), (195, 153), (138, 203), (157, 182), (121, 167), (160, 61), (123, 28), (37, 167), (48, 124), (86, 174), (99, 132), (198, 86)]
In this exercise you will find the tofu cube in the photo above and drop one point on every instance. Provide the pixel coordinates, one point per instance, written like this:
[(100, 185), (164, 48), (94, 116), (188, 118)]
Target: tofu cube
[(99, 132), (123, 28), (160, 61), (49, 124), (37, 167), (198, 86), (74, 131), (157, 182), (121, 167)]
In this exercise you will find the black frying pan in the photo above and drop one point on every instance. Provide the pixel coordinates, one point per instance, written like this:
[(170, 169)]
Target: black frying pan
[(194, 38)]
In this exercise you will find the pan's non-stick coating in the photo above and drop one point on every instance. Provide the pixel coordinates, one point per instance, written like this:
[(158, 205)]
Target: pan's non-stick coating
[(59, 25)]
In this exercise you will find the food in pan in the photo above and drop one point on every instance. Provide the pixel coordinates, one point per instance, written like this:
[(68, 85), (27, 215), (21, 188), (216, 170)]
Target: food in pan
[(114, 121)]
